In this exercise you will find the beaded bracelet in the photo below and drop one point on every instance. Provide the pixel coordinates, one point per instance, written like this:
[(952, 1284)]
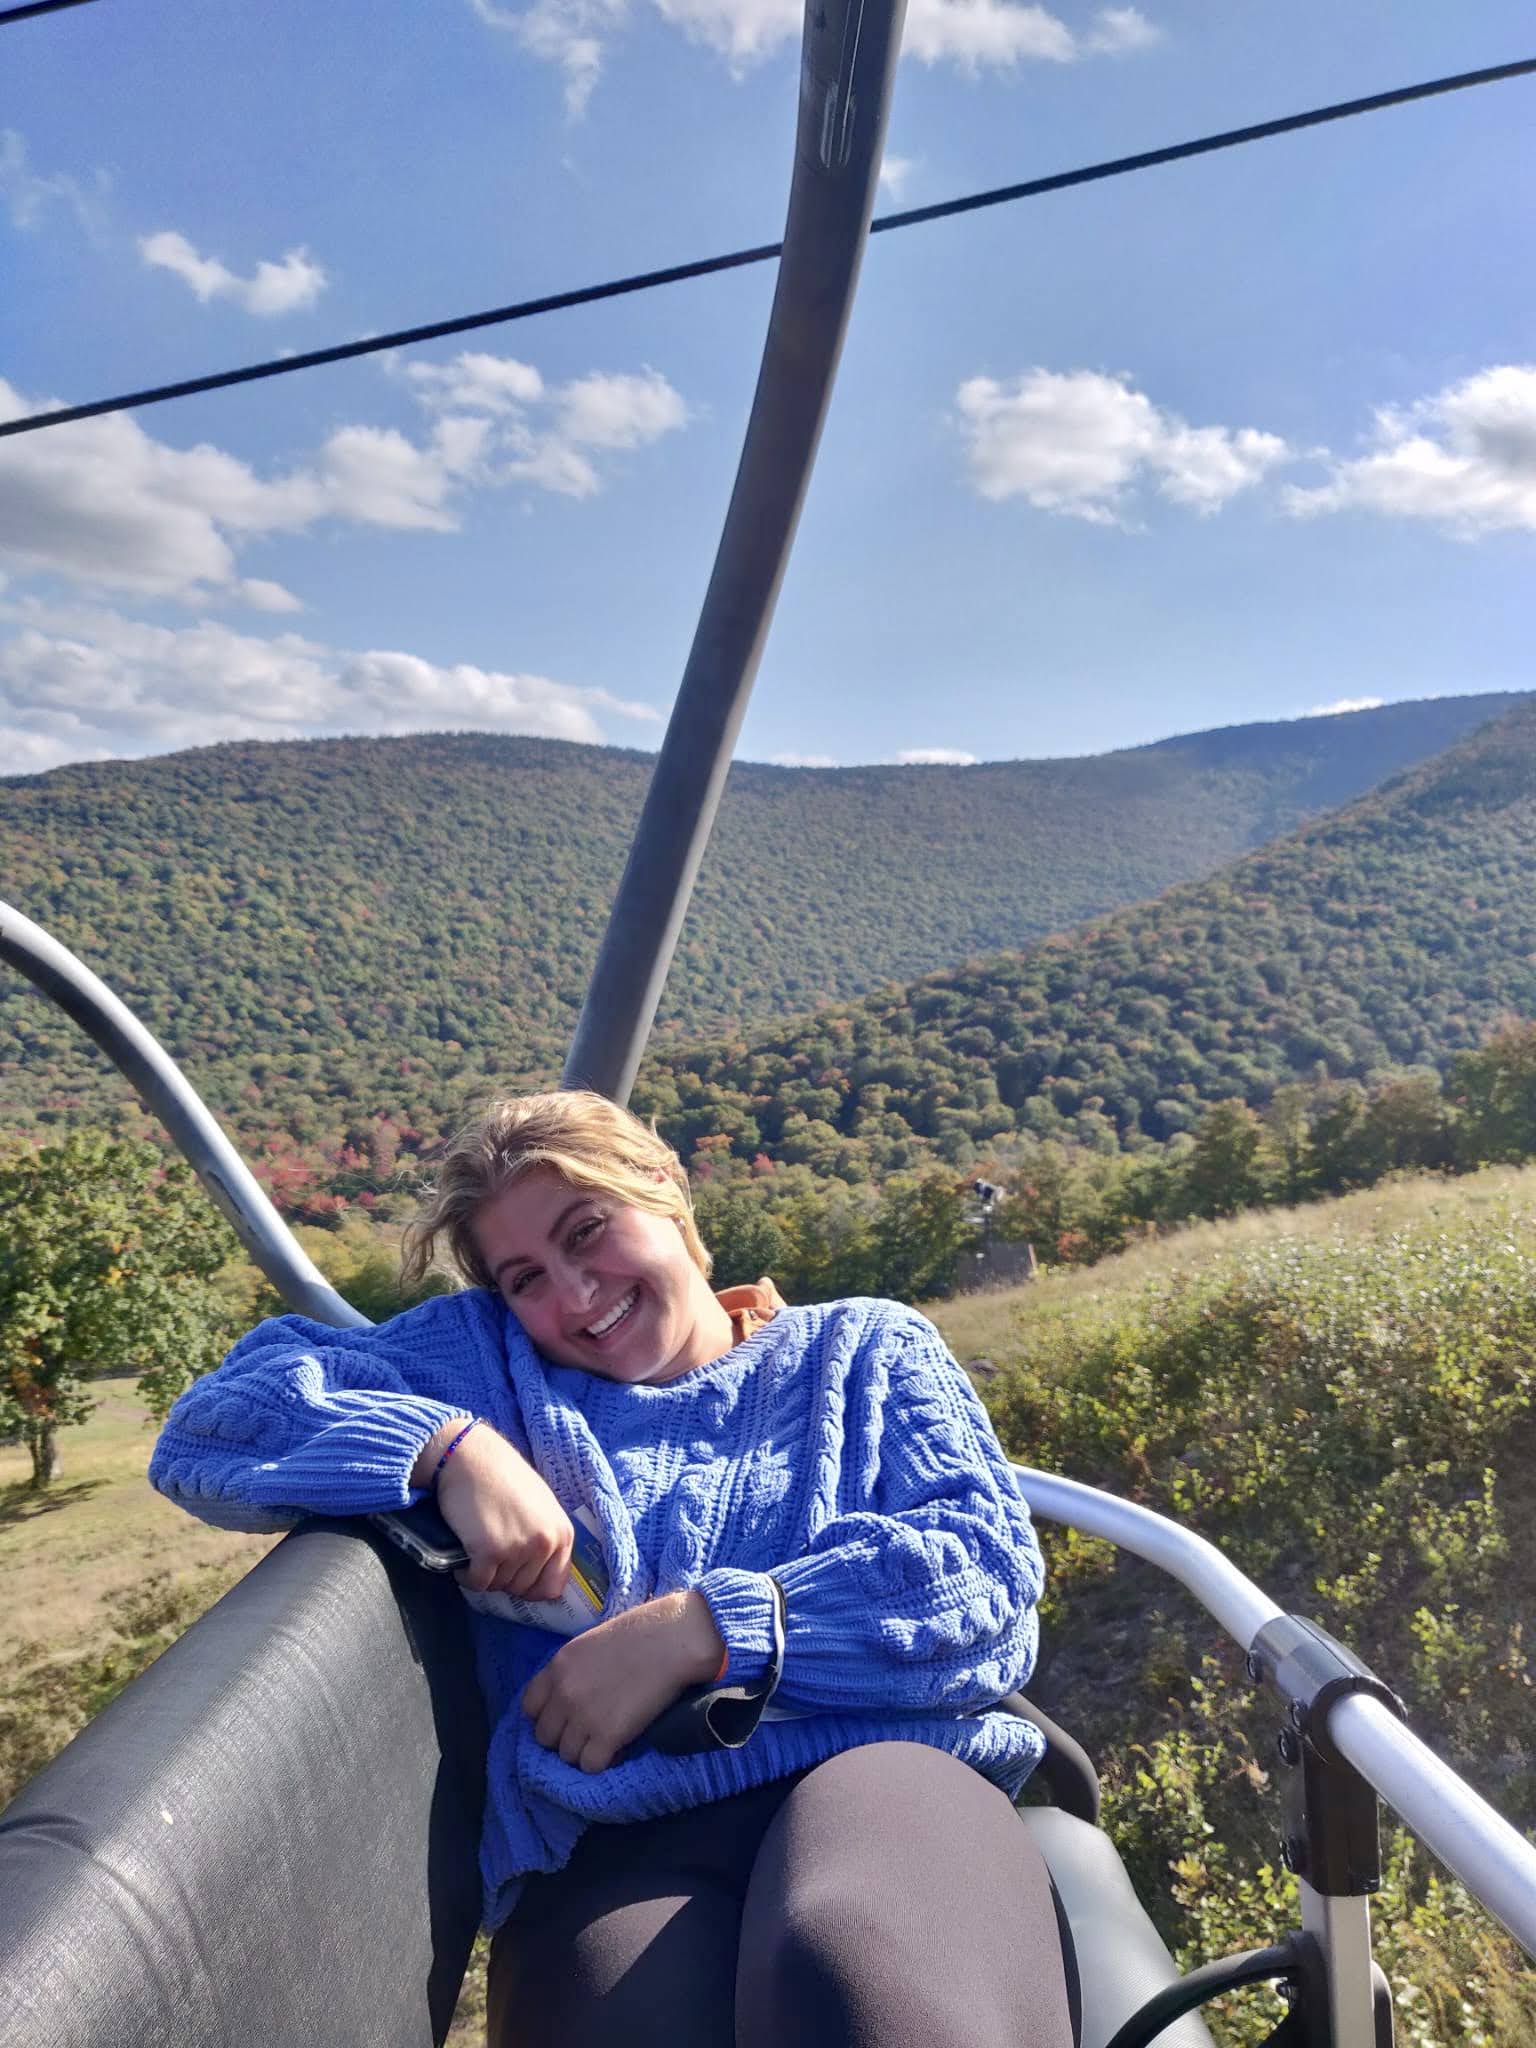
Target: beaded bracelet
[(442, 1461)]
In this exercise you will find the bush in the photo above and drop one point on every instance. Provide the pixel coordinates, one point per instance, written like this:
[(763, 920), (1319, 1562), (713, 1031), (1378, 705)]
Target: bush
[(1346, 1406)]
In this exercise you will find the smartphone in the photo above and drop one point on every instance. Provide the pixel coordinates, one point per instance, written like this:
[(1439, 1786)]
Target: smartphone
[(423, 1535)]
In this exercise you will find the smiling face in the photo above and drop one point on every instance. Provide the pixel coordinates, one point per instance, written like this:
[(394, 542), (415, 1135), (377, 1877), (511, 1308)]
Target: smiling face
[(598, 1283)]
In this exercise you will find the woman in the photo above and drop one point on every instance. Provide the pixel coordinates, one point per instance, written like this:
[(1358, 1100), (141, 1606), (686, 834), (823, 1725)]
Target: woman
[(803, 1501)]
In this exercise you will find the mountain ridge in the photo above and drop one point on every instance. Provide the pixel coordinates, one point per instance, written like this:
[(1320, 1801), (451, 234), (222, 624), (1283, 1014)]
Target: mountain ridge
[(333, 931), (1394, 933)]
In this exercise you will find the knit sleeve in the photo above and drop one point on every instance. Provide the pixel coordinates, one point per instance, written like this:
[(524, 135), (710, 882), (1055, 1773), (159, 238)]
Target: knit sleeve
[(305, 1419), (925, 1600)]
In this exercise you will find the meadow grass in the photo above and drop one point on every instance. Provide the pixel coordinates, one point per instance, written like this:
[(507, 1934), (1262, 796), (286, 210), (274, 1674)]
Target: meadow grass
[(975, 1325), (69, 1555)]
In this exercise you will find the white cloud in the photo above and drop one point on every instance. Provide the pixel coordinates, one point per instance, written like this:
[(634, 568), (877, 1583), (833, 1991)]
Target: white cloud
[(475, 382), (263, 596), (934, 757), (1001, 34), (1118, 31), (104, 504), (548, 434), (379, 477), (29, 194), (1079, 442), (801, 761), (32, 753), (1464, 458), (1341, 704), (86, 683), (894, 173), (741, 31), (291, 286), (619, 411), (567, 33), (998, 34)]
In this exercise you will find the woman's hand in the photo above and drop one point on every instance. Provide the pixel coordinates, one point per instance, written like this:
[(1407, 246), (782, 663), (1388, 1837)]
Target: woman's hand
[(602, 1689), (517, 1534)]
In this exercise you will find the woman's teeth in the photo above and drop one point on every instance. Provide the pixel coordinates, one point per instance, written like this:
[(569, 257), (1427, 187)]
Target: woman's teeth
[(615, 1315)]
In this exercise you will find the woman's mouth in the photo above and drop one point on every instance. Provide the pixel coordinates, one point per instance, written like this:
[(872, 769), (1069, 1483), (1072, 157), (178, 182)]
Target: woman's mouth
[(617, 1316)]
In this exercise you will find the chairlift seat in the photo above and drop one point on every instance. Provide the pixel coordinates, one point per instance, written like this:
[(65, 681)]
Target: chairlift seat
[(1121, 1957), (270, 1838)]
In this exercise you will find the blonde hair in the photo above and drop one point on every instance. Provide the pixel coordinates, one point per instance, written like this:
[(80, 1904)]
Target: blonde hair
[(590, 1142)]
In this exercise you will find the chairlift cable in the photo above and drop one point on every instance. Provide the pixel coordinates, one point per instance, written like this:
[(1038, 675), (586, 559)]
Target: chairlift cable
[(586, 295), (1205, 145), (31, 7)]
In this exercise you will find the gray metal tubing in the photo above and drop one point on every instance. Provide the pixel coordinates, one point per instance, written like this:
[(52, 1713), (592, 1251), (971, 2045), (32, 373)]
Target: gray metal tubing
[(1495, 1862), (1238, 1604), (165, 1090), (1341, 1927), (847, 60)]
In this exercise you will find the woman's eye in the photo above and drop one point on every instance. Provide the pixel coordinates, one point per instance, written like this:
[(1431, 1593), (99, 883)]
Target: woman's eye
[(522, 1280), (586, 1230)]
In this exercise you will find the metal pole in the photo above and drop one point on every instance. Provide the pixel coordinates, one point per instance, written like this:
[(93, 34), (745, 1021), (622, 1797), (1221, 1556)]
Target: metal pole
[(848, 57), (1342, 1930), (165, 1090)]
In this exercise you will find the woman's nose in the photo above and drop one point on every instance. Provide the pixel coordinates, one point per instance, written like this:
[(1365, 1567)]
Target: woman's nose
[(574, 1287)]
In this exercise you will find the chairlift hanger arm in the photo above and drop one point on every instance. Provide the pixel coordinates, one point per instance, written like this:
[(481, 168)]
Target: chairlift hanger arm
[(848, 62)]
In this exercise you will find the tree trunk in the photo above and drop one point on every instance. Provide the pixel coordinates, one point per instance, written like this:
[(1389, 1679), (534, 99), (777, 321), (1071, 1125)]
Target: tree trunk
[(43, 1443)]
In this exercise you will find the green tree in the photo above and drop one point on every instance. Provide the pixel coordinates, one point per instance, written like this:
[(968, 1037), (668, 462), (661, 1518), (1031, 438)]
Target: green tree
[(919, 1234), (1225, 1170), (1336, 1141), (744, 1238), (1286, 1121), (361, 1262), (1408, 1124), (106, 1259), (1496, 1086)]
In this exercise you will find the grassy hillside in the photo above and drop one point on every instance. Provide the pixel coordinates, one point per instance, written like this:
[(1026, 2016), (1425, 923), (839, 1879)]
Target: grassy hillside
[(1342, 1397), (1393, 933), (337, 932)]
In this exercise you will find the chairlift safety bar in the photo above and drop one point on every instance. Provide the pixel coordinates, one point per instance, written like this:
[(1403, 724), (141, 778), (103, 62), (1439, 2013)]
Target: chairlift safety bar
[(1492, 1859), (164, 1089)]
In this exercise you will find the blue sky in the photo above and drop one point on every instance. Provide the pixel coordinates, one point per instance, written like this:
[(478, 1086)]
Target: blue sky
[(1226, 441)]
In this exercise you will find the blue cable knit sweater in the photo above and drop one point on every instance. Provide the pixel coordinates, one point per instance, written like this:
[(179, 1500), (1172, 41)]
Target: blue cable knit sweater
[(840, 1448)]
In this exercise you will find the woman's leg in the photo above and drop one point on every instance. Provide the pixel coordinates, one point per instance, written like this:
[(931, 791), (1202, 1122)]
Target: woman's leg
[(897, 1902), (633, 1944)]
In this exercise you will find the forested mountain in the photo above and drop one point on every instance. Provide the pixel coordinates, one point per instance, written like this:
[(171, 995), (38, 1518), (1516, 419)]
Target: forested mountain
[(333, 932), (1392, 934)]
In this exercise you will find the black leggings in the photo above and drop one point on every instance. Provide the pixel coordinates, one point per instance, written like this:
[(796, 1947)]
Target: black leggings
[(888, 1898)]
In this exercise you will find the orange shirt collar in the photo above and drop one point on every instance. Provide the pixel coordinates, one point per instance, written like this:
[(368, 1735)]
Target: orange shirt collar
[(750, 1307)]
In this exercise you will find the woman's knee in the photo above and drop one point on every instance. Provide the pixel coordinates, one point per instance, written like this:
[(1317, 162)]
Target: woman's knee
[(896, 1899)]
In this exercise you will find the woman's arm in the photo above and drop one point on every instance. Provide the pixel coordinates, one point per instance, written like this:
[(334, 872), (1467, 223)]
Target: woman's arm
[(305, 1419), (925, 1600)]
